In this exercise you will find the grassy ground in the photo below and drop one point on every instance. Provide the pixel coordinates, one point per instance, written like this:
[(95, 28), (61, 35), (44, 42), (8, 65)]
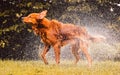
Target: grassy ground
[(9, 67)]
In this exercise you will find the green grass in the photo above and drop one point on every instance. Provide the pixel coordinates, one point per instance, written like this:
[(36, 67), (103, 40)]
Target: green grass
[(10, 67)]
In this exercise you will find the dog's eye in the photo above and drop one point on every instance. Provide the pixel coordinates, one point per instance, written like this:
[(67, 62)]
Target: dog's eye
[(29, 16)]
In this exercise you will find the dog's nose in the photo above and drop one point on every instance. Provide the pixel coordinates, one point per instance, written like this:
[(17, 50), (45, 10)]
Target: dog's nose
[(22, 18)]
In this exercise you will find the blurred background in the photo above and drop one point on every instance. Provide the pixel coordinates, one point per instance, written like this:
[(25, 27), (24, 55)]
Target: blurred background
[(18, 42)]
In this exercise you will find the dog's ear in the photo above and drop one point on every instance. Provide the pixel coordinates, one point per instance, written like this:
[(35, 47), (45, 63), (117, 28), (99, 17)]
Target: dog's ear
[(42, 14)]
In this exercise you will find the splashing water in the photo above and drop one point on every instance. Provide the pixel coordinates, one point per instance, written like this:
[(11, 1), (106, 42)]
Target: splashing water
[(95, 25)]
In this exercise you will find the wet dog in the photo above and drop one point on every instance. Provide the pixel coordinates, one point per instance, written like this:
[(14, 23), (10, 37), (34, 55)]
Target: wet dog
[(57, 34)]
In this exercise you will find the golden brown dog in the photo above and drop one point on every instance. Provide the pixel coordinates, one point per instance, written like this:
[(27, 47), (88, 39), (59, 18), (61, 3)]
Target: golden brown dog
[(56, 34)]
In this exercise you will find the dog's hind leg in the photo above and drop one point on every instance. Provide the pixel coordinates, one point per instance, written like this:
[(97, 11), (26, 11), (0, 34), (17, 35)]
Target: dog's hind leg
[(45, 50), (75, 48), (83, 47)]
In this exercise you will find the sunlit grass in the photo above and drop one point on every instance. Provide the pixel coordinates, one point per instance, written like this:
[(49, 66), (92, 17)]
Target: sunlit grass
[(10, 67)]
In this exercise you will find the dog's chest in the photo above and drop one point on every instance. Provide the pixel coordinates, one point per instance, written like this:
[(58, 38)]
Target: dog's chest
[(47, 36)]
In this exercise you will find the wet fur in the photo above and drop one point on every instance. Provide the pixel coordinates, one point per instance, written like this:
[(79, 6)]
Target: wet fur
[(57, 34)]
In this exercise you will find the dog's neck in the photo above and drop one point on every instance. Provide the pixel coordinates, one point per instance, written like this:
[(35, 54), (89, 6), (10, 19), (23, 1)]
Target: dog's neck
[(45, 22)]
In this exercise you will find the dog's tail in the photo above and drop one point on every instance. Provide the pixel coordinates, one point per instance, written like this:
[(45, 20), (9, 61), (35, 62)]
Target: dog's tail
[(97, 38)]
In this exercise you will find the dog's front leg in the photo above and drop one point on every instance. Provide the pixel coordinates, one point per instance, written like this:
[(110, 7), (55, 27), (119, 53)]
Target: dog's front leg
[(57, 52), (45, 50)]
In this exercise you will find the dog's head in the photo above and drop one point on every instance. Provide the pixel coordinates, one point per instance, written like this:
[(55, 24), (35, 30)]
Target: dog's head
[(33, 18)]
